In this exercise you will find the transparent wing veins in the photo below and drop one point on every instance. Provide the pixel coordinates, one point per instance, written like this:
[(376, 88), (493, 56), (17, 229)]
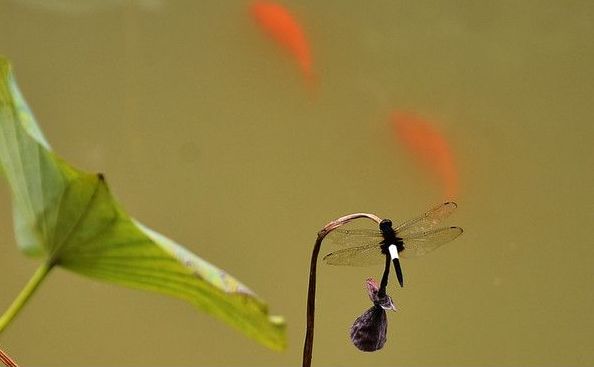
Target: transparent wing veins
[(427, 221), (420, 243), (356, 256), (355, 237)]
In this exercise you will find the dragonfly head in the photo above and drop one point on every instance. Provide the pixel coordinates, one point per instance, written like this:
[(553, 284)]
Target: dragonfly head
[(385, 225)]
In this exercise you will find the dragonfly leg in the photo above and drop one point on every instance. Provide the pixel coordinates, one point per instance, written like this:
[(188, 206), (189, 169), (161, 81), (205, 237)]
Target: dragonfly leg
[(384, 282)]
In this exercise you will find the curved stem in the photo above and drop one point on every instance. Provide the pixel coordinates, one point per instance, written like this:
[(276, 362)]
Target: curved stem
[(311, 291), (24, 296), (6, 360)]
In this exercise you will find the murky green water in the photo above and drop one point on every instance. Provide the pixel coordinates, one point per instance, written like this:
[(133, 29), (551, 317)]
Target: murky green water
[(208, 134)]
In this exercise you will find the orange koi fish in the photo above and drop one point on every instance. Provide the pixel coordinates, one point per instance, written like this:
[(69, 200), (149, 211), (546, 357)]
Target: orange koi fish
[(282, 26), (429, 147)]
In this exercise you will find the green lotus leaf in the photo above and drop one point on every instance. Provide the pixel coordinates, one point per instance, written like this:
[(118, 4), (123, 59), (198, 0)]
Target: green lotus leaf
[(71, 219)]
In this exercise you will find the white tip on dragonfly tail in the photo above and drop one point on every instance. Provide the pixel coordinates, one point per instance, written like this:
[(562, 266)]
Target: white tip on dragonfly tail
[(393, 251)]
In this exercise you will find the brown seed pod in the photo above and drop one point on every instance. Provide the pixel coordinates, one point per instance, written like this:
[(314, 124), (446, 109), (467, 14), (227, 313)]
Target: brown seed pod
[(369, 330)]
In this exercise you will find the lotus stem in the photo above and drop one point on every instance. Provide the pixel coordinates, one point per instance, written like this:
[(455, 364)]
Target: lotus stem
[(311, 292), (25, 294)]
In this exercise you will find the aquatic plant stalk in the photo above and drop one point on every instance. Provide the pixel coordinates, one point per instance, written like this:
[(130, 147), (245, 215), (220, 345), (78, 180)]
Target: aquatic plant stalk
[(8, 362), (25, 294), (311, 291)]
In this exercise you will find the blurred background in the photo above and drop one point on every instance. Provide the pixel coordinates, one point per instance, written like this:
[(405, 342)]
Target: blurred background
[(208, 132)]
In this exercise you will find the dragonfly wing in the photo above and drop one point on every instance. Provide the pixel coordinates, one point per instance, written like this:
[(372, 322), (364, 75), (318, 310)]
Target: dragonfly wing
[(427, 221), (421, 243), (355, 237), (356, 256)]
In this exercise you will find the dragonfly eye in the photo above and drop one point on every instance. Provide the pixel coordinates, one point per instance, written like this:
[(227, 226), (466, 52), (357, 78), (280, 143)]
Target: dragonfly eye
[(385, 224)]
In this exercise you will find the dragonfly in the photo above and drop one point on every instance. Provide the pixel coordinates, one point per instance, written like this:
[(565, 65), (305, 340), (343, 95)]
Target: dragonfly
[(415, 237)]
